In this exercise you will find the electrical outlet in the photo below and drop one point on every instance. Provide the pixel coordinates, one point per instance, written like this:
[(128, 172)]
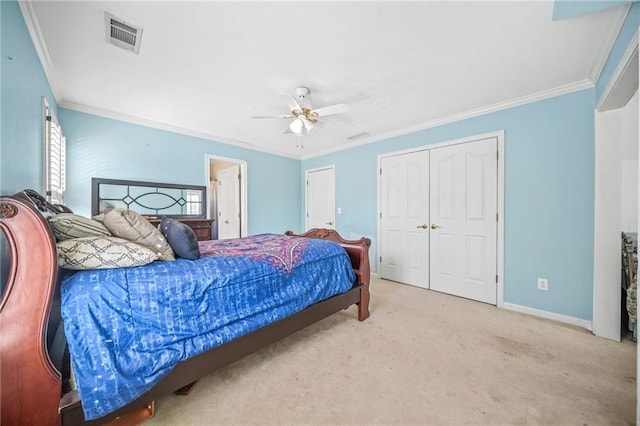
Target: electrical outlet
[(543, 284)]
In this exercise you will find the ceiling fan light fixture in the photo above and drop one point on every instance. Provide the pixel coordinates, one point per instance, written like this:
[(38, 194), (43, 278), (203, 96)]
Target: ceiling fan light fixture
[(296, 127), (305, 117)]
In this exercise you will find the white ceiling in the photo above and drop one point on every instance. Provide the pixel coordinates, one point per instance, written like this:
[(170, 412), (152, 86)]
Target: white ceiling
[(205, 68)]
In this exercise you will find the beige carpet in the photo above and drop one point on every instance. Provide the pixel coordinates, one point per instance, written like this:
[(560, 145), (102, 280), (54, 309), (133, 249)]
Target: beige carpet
[(421, 358)]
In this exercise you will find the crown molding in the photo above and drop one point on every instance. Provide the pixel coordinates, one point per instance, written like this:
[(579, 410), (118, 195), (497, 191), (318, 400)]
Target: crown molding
[(37, 38), (33, 26), (169, 127), (608, 42), (523, 100)]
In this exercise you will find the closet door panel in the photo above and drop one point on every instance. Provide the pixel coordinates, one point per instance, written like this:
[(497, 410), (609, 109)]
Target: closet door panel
[(463, 206), (404, 209)]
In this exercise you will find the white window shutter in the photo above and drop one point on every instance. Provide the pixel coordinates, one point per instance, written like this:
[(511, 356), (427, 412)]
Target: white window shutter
[(56, 161)]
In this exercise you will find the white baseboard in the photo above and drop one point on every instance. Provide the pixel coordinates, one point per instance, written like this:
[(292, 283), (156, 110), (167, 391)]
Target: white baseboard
[(548, 315)]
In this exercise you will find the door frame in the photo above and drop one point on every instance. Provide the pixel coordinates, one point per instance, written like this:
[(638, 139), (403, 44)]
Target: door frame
[(306, 193), (606, 321), (499, 135), (244, 178)]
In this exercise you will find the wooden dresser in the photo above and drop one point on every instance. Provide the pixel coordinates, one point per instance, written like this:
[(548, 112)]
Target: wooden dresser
[(201, 227)]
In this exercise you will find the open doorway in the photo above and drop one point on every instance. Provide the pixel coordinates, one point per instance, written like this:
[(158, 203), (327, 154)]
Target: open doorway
[(616, 194), (227, 195)]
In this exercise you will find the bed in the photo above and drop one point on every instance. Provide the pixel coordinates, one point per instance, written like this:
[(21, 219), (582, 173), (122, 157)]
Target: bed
[(34, 389)]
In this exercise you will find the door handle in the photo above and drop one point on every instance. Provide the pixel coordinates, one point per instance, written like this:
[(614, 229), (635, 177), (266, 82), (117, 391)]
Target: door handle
[(329, 223), (423, 226), (226, 221), (434, 226)]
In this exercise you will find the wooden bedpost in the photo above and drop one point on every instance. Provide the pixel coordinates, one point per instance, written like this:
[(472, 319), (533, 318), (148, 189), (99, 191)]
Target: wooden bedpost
[(30, 384), (363, 306), (361, 250)]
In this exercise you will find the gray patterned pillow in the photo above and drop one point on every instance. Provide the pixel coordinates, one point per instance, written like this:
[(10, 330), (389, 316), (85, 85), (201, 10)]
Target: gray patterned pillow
[(102, 253), (130, 225), (68, 225)]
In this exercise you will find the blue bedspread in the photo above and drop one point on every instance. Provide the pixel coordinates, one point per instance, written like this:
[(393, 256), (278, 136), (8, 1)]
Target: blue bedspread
[(128, 327)]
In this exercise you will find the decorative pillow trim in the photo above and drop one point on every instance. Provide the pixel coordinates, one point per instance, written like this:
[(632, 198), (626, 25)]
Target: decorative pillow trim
[(102, 253)]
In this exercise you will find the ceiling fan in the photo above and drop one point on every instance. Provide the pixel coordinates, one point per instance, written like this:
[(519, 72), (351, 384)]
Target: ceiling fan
[(304, 117)]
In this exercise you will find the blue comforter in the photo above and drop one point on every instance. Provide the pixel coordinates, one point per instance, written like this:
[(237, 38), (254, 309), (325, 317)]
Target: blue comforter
[(128, 327)]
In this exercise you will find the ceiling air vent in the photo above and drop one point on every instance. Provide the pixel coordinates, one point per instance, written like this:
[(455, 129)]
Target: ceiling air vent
[(122, 33), (359, 135)]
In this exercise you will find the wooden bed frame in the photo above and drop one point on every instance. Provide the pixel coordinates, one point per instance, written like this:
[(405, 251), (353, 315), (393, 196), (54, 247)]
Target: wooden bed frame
[(32, 391)]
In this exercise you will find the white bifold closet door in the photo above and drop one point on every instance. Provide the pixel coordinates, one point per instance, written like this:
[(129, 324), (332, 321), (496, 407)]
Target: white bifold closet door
[(404, 254), (463, 212), (439, 219)]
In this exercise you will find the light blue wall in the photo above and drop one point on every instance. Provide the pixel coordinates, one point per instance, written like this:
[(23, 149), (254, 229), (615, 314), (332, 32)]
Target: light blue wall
[(114, 149), (23, 84), (549, 195), (625, 36), (101, 147), (563, 9), (549, 169)]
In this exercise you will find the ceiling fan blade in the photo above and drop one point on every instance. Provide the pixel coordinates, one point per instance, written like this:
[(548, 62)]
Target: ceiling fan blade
[(332, 109), (308, 124), (274, 116), (291, 102)]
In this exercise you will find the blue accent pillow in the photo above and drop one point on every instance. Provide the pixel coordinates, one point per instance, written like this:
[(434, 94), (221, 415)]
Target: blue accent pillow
[(181, 238)]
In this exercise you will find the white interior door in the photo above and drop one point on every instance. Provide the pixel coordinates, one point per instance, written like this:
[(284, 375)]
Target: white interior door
[(229, 203), (321, 198), (463, 211), (404, 209)]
